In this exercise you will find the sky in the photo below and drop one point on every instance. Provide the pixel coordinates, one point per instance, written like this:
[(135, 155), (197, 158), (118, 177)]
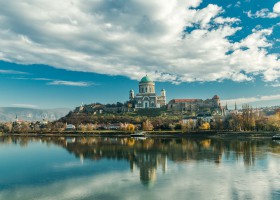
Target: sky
[(63, 53)]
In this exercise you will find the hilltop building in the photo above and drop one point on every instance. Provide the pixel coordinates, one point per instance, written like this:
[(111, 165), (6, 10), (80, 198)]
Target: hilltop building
[(197, 105), (147, 97)]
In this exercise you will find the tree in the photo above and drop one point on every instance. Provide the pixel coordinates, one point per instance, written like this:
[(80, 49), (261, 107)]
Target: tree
[(147, 126), (82, 127), (184, 127), (171, 127), (6, 127), (130, 128), (24, 128), (192, 125), (58, 126), (205, 126), (248, 118), (273, 122), (90, 127)]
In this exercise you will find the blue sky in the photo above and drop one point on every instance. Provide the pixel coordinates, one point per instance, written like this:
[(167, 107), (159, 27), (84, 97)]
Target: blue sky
[(63, 53)]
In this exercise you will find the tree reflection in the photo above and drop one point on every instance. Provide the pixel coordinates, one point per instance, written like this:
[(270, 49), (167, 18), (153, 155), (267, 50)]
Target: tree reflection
[(150, 154)]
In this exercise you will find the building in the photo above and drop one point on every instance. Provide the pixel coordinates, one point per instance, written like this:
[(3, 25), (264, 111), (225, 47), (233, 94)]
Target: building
[(70, 127), (191, 121), (205, 117), (196, 105), (147, 97)]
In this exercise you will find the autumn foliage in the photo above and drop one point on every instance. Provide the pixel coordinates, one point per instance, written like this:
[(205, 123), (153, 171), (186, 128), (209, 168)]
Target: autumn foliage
[(205, 126), (147, 125)]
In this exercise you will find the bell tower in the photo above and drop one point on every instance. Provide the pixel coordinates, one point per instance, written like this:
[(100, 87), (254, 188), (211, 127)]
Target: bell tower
[(131, 94)]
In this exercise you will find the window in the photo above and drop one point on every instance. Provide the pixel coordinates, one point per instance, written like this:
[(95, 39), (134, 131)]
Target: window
[(146, 90)]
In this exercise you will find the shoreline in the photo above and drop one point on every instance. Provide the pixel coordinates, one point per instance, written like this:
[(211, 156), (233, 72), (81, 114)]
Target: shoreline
[(151, 134)]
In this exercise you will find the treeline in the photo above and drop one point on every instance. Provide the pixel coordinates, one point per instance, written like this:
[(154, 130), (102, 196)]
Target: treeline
[(26, 127), (248, 120)]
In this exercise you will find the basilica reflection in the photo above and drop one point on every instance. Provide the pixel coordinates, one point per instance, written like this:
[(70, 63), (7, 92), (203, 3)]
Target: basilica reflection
[(150, 155)]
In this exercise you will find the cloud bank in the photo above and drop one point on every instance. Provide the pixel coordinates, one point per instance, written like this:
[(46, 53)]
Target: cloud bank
[(131, 38), (247, 100)]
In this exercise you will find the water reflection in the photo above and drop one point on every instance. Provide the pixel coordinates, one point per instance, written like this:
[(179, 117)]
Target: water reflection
[(122, 168), (150, 154)]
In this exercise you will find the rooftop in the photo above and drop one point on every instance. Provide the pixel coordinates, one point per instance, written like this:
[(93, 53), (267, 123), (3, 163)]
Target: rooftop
[(185, 100), (146, 79)]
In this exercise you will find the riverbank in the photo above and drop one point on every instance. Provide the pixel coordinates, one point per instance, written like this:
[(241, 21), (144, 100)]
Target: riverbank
[(179, 134)]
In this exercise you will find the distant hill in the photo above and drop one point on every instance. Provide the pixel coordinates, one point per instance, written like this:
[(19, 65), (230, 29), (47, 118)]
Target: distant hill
[(31, 114)]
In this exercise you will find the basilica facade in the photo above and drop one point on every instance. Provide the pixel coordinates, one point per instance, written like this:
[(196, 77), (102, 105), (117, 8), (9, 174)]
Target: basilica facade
[(147, 97)]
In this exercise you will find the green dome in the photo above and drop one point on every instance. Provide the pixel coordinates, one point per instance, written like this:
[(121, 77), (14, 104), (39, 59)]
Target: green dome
[(146, 79)]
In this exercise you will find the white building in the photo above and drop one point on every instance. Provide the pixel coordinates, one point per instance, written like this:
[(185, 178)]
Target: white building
[(147, 97), (70, 127)]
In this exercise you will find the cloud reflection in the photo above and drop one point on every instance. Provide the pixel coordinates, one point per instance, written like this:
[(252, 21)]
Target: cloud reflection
[(197, 169), (192, 180)]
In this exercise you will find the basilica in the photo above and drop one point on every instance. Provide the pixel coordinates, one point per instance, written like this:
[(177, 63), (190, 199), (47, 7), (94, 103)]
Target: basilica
[(147, 97)]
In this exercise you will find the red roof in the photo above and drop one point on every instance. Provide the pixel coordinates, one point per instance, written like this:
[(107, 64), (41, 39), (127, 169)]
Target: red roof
[(184, 100)]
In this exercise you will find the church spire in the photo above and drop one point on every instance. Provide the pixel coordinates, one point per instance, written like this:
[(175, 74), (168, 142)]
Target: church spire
[(235, 108)]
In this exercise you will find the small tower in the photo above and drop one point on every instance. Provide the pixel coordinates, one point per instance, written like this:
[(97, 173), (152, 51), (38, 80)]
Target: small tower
[(131, 94), (163, 93), (235, 106), (216, 101), (163, 96)]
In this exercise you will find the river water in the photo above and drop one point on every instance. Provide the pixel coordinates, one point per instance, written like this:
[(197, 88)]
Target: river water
[(48, 168)]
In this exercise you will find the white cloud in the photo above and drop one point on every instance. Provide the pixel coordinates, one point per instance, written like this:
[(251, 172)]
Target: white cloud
[(275, 85), (238, 4), (276, 8), (131, 38), (221, 20), (228, 6), (204, 16), (59, 82), (11, 72), (265, 13), (70, 83), (41, 79), (34, 79)]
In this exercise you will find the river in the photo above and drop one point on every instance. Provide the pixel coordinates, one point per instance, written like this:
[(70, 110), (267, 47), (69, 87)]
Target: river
[(47, 168)]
